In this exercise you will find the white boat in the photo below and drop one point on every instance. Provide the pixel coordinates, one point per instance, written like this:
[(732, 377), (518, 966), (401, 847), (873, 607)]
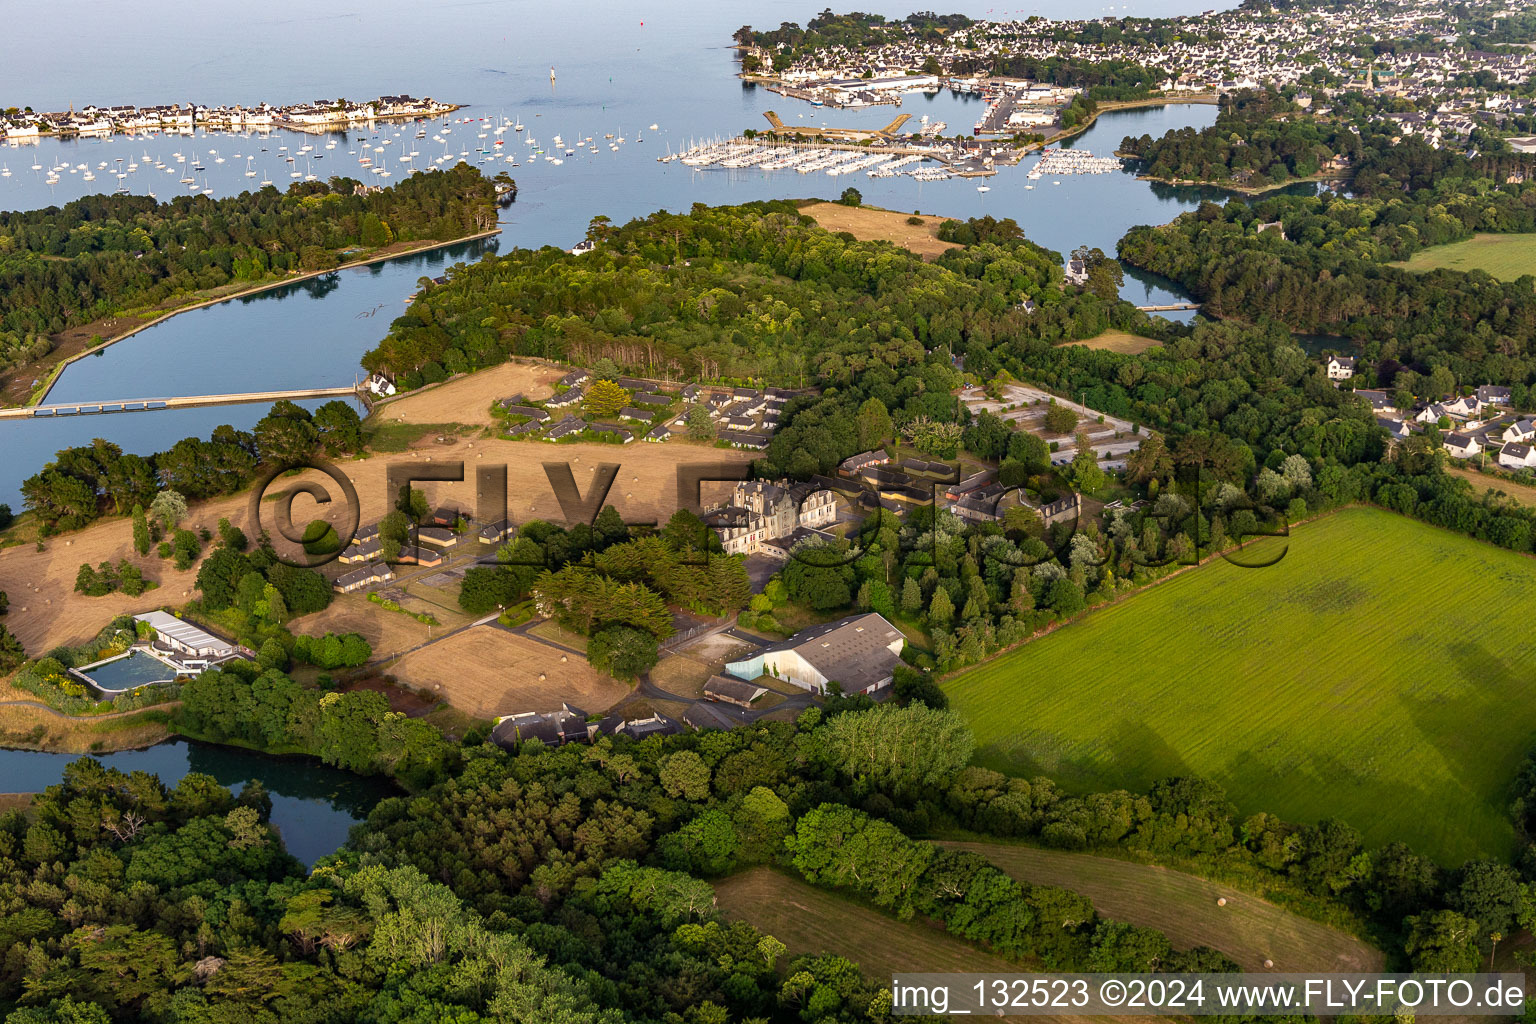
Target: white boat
[(983, 188), (5, 171)]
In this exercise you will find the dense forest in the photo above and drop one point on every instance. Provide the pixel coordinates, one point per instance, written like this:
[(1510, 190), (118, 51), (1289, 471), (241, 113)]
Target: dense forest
[(1322, 273), (572, 884), (753, 292), (1253, 143), (106, 254)]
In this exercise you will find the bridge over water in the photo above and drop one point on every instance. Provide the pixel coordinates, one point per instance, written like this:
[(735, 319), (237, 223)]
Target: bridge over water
[(178, 402)]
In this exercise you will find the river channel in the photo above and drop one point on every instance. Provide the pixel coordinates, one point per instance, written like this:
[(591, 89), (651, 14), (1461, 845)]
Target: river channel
[(313, 806)]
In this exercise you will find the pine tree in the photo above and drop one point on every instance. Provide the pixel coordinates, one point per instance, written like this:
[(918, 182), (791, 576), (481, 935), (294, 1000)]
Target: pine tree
[(911, 597), (140, 531), (604, 398), (941, 609)]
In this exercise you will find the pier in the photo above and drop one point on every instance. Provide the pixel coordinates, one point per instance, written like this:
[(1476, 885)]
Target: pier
[(179, 402), (1169, 308)]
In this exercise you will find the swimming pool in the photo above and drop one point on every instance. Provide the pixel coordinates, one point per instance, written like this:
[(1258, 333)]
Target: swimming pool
[(134, 669)]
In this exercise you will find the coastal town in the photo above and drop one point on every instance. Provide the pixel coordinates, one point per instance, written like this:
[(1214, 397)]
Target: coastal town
[(184, 118)]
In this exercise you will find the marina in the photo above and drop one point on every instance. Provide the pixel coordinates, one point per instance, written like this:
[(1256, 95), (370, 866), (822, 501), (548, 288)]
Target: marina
[(312, 334)]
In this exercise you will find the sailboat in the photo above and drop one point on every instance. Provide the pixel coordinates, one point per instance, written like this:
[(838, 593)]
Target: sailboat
[(5, 171), (551, 76), (249, 171)]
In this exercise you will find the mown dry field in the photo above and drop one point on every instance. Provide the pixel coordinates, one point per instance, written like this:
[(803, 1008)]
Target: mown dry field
[(45, 611), (1183, 907), (1118, 341), (469, 399), (869, 225), (486, 671)]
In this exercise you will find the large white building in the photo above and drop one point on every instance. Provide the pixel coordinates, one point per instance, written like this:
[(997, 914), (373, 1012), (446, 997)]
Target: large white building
[(762, 512), (859, 653)]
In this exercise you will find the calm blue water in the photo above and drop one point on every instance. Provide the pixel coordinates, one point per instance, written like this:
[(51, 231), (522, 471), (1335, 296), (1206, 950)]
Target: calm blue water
[(312, 806), (620, 68), (134, 669)]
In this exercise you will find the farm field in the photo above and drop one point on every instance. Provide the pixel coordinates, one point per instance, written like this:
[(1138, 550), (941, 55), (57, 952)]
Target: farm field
[(1183, 906), (1327, 685), (1118, 341), (871, 225), (485, 671), (1505, 257)]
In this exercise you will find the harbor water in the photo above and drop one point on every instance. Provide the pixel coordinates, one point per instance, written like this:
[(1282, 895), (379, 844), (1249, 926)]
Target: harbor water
[(619, 70)]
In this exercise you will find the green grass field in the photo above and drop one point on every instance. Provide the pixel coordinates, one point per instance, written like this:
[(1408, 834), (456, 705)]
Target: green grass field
[(1505, 257), (1380, 673), (1183, 907)]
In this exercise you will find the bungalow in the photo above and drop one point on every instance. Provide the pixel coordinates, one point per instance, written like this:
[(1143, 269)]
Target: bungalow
[(536, 414), (437, 536), (1398, 429), (497, 532), (638, 415), (575, 378), (644, 398), (732, 691), (448, 515), (860, 653), (738, 439), (566, 427), (565, 399), (1463, 446), (360, 550), (660, 432), (1520, 430), (1517, 456), (359, 579), (691, 393), (427, 558), (1340, 367), (623, 435), (853, 463), (526, 427)]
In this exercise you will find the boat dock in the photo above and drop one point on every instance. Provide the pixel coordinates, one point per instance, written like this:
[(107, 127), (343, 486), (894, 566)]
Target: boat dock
[(1169, 308), (178, 402)]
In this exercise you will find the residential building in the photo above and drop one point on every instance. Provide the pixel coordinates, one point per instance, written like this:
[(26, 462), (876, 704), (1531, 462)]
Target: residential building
[(1340, 367), (1521, 431), (361, 579), (854, 463), (1463, 446), (497, 533), (1517, 456), (859, 653)]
